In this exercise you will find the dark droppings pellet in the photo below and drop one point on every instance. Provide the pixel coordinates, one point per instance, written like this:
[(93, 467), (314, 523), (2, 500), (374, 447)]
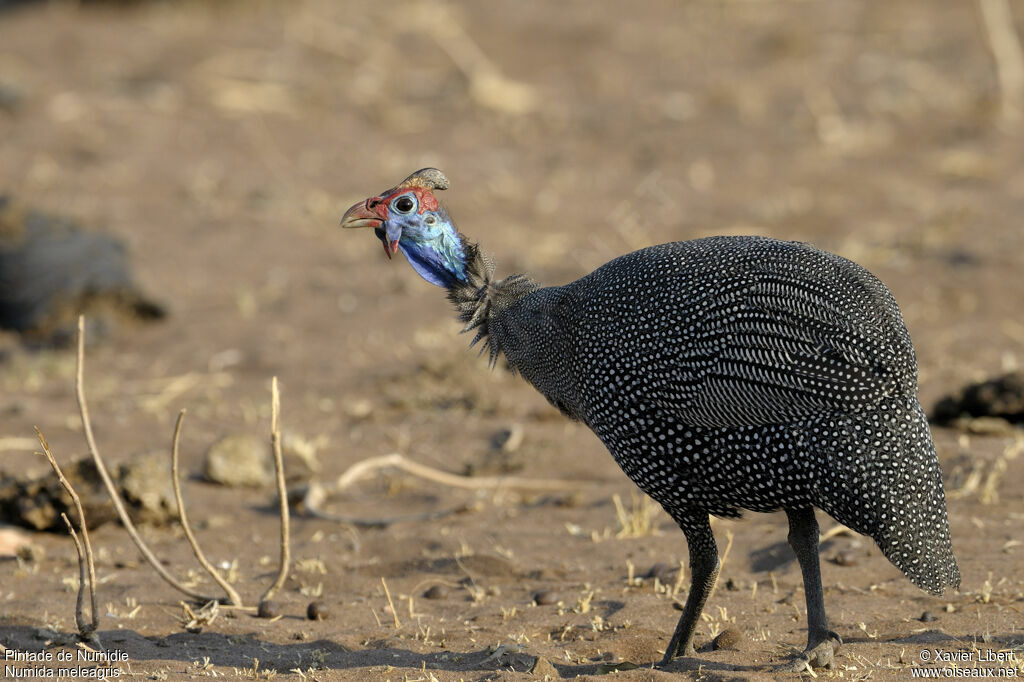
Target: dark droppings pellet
[(317, 610), (545, 598), (437, 592)]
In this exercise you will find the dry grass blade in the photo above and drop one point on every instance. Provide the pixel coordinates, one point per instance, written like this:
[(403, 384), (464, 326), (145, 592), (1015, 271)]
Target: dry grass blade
[(1006, 49), (86, 563), (183, 517), (282, 491), (101, 467), (391, 604)]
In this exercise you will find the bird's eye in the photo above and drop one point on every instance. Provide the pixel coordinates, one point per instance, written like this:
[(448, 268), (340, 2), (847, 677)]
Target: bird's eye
[(404, 204)]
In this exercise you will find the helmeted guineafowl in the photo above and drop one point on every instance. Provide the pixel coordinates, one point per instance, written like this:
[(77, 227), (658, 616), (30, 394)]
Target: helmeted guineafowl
[(723, 374)]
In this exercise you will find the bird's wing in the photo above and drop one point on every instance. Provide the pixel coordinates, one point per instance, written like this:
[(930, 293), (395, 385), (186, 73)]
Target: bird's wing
[(773, 347)]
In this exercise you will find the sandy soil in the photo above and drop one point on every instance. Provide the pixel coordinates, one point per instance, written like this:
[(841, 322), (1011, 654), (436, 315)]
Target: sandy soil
[(223, 142)]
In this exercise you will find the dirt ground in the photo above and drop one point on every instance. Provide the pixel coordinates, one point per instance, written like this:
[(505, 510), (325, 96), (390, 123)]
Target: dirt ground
[(222, 141)]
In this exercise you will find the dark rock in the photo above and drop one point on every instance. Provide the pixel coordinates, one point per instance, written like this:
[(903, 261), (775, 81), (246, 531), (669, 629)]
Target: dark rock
[(37, 502), (545, 598), (437, 592), (663, 572), (1001, 397), (927, 617), (53, 271)]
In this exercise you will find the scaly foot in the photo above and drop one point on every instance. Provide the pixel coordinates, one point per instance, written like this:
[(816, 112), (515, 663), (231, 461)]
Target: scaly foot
[(820, 655)]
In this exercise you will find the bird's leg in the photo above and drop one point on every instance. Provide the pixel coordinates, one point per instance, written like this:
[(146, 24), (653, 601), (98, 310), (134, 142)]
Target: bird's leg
[(822, 643), (704, 570)]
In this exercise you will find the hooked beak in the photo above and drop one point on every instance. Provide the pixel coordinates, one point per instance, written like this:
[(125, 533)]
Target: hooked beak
[(361, 215)]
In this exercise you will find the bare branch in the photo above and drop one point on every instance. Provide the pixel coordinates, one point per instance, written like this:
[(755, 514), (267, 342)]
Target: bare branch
[(86, 564), (282, 492), (183, 517), (84, 628), (101, 466)]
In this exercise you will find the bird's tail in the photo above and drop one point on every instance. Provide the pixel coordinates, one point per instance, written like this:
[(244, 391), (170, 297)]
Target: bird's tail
[(897, 497)]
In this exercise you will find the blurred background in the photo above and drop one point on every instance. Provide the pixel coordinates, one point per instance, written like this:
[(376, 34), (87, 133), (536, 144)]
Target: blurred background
[(220, 142)]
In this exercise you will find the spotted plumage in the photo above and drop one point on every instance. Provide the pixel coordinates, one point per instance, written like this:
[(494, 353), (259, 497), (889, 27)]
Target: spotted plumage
[(726, 374)]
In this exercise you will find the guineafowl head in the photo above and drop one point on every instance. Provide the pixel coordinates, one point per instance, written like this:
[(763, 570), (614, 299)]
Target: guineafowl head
[(409, 217)]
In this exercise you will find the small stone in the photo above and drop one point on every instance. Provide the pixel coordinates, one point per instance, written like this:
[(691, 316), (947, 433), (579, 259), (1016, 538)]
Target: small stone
[(240, 460), (14, 542), (727, 639), (663, 572), (731, 585), (147, 486), (437, 592), (268, 609), (317, 610), (927, 617), (845, 558), (545, 597)]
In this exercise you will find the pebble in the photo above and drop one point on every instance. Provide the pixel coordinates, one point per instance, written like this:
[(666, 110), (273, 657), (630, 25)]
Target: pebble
[(317, 610), (146, 485), (845, 558), (545, 598), (663, 572), (240, 459), (927, 617), (727, 639), (268, 609), (437, 592)]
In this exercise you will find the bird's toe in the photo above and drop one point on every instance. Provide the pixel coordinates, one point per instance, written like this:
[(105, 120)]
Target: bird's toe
[(820, 655)]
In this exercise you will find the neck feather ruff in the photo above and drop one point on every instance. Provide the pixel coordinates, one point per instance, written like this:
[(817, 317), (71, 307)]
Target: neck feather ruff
[(481, 296)]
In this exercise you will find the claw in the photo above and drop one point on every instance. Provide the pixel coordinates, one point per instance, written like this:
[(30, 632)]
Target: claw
[(821, 655)]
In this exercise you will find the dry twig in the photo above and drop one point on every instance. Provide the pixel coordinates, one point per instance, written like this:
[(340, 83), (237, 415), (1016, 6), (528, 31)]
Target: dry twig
[(183, 517), (1006, 49), (391, 604), (315, 495), (282, 492), (101, 466), (86, 563)]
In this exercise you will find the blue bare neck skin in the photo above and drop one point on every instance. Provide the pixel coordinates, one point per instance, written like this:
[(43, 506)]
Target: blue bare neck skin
[(436, 253)]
